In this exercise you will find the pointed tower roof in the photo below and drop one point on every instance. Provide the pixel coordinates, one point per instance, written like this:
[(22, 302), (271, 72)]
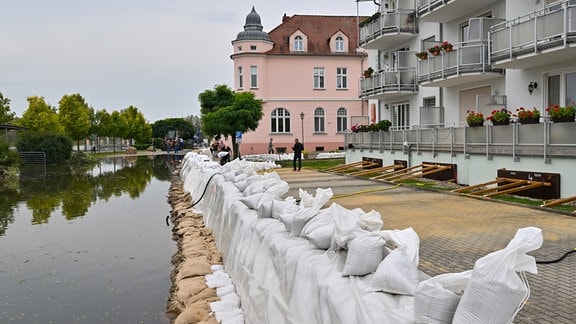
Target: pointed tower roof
[(253, 29)]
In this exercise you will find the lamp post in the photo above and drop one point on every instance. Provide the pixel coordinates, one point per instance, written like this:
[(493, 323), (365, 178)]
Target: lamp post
[(302, 120)]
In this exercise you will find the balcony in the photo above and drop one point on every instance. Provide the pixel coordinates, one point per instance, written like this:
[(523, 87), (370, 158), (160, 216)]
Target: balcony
[(544, 37), (467, 63), (389, 29), (447, 10), (392, 83)]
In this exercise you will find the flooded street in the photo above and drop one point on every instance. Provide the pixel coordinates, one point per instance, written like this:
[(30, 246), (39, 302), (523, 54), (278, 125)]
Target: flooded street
[(88, 247)]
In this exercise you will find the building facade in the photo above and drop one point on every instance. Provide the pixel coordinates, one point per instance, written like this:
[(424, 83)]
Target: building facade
[(306, 72), (498, 54)]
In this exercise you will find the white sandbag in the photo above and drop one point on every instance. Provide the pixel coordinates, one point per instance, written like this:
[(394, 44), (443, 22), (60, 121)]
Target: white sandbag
[(371, 221), (495, 292), (265, 209), (320, 229), (286, 205), (365, 252), (252, 200), (309, 209), (279, 188), (436, 299), (222, 154), (346, 227), (301, 217), (397, 273)]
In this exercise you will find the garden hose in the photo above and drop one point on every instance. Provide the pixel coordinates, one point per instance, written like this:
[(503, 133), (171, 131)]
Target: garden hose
[(194, 204), (366, 191), (557, 260)]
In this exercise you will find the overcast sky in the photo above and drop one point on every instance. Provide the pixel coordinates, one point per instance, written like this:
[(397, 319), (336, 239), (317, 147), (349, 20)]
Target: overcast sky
[(156, 55)]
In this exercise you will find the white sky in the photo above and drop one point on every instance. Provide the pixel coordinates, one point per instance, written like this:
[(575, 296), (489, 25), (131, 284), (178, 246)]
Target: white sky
[(156, 55)]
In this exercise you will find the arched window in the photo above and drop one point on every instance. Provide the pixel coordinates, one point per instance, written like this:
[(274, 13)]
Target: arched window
[(319, 121), (341, 120), (339, 44), (280, 121), (298, 44)]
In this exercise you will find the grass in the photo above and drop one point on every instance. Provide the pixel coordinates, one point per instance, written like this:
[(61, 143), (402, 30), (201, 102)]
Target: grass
[(320, 164)]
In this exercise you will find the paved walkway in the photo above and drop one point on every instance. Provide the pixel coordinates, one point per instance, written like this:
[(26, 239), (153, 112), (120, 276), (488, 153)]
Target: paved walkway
[(456, 230)]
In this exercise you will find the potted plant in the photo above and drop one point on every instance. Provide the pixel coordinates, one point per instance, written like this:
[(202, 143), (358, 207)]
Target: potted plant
[(561, 114), (474, 119), (500, 117), (446, 46), (422, 55), (528, 116), (435, 50), (368, 72)]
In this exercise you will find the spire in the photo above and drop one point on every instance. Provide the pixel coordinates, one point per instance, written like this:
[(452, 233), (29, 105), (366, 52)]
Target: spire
[(253, 29)]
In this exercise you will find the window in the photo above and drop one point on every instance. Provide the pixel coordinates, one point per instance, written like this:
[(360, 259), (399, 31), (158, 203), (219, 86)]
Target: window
[(318, 78), (561, 88), (253, 77), (429, 102), (252, 47), (240, 78), (298, 44), (341, 120), (280, 121), (339, 44), (341, 78), (401, 115), (319, 120)]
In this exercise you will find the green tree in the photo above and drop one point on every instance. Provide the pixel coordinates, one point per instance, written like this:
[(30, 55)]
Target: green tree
[(211, 100), (118, 127), (137, 126), (243, 114), (40, 117), (6, 115), (74, 116), (185, 128)]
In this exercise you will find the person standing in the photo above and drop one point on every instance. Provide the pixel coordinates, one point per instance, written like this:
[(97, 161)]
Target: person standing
[(297, 148), (270, 147)]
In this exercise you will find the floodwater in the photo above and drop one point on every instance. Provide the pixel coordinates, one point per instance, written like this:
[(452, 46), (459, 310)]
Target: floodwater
[(88, 246)]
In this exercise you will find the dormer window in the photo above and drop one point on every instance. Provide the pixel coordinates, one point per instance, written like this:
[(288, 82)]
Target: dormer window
[(252, 47), (298, 44), (339, 44)]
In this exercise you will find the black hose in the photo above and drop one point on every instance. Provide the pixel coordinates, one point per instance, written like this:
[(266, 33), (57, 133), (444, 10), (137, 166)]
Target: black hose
[(194, 204), (556, 260)]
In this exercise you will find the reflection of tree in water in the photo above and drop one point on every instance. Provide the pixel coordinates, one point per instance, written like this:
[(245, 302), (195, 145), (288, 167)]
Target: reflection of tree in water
[(74, 190)]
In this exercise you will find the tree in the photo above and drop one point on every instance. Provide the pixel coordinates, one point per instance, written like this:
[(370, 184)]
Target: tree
[(74, 116), (243, 114), (137, 127), (6, 115), (40, 117), (211, 100), (185, 128), (118, 127)]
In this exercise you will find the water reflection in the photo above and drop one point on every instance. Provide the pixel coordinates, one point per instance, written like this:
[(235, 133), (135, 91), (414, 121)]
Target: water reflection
[(75, 189), (88, 245)]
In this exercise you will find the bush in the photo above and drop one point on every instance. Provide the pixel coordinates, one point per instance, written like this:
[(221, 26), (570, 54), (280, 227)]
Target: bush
[(7, 156), (58, 148)]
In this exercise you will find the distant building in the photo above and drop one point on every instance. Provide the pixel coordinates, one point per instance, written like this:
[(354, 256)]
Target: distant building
[(308, 66)]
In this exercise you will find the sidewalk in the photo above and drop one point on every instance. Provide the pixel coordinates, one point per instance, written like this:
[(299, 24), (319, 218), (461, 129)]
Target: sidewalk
[(456, 230)]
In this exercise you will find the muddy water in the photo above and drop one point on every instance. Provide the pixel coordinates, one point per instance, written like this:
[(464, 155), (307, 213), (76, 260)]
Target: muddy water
[(88, 246)]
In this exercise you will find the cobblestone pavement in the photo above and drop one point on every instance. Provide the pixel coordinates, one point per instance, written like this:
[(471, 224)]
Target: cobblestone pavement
[(457, 230)]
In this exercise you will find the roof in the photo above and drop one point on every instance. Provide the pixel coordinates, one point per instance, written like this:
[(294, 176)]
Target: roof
[(318, 29), (12, 127), (253, 29)]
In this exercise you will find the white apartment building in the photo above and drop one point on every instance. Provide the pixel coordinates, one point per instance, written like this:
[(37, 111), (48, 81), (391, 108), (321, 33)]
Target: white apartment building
[(505, 54)]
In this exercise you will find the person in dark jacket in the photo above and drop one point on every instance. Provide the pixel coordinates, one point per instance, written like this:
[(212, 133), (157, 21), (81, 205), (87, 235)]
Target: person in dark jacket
[(297, 148)]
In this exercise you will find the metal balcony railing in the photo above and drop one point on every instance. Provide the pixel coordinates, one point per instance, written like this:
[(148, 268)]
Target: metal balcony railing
[(395, 80), (392, 23), (544, 140), (553, 26), (467, 57)]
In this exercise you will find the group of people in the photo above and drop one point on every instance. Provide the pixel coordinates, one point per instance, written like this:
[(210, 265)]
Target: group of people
[(220, 150), (175, 144)]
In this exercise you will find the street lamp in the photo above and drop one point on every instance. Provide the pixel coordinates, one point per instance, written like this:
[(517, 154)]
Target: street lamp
[(302, 119)]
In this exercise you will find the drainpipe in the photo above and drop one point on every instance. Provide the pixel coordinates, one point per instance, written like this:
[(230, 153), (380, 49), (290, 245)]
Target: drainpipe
[(441, 89)]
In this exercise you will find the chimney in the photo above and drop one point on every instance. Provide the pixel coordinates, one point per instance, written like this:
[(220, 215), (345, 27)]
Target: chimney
[(284, 18)]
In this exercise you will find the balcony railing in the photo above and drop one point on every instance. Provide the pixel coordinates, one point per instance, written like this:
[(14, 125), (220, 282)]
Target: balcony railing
[(389, 83), (446, 10), (465, 58), (545, 140), (551, 27), (402, 21)]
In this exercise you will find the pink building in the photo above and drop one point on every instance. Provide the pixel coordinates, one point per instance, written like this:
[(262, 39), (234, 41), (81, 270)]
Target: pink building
[(306, 71)]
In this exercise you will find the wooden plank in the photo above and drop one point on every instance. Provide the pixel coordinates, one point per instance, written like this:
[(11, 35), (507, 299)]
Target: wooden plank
[(374, 170), (534, 184), (480, 185), (502, 187), (421, 174), (559, 201)]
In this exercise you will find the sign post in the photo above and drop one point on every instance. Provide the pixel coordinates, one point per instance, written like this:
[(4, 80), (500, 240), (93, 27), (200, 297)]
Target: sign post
[(238, 136)]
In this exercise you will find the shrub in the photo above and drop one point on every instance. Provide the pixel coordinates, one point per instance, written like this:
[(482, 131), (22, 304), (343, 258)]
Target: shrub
[(58, 148)]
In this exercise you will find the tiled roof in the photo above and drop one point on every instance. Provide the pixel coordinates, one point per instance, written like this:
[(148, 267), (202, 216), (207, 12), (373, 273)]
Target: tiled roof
[(318, 29)]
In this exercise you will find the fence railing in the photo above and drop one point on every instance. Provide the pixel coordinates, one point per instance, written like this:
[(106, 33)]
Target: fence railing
[(32, 165)]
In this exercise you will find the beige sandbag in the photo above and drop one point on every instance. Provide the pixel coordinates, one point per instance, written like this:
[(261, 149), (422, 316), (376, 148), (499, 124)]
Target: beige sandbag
[(208, 295), (194, 267), (210, 320), (189, 287), (193, 313)]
